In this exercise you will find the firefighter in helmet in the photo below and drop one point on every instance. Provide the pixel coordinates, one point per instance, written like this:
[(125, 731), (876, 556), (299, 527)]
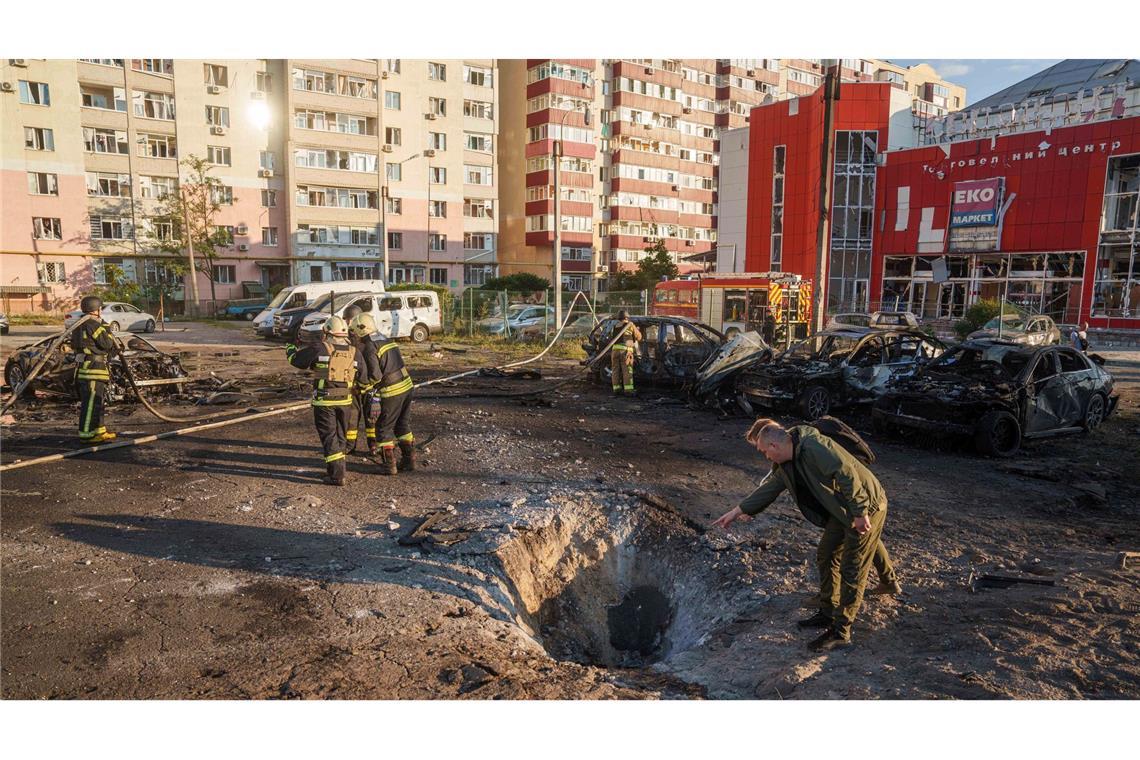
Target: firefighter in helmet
[(358, 412), (391, 404), (334, 364), (93, 344), (623, 354), (360, 331)]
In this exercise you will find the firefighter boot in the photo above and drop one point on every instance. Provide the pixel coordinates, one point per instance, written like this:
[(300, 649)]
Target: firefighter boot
[(104, 437), (407, 456), (387, 460), (335, 473)]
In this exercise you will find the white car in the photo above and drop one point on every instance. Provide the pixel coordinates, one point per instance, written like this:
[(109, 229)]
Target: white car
[(399, 314), (121, 317)]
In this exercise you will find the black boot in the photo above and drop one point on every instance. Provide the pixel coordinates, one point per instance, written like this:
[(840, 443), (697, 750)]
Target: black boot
[(407, 456), (387, 460), (334, 473), (818, 620), (830, 639)]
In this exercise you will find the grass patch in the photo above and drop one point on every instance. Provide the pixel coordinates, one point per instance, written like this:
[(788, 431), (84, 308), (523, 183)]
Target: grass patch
[(36, 319), (569, 348)]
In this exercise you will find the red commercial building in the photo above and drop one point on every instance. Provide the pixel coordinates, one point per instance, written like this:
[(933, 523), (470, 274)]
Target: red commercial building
[(1046, 217)]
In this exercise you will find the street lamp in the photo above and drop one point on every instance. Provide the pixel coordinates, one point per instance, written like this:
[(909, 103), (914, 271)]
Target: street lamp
[(556, 154), (384, 208)]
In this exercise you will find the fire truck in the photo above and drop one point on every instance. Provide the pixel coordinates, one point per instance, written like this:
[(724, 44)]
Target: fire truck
[(775, 304)]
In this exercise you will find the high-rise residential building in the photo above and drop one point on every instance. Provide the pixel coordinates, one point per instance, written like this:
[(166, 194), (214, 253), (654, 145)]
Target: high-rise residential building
[(931, 95), (314, 157)]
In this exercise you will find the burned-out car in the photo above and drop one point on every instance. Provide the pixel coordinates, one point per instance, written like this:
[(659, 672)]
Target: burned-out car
[(1037, 330), (837, 367), (153, 369), (670, 352), (999, 393)]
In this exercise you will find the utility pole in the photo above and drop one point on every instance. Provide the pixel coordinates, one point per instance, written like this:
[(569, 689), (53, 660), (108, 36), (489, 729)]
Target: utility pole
[(384, 231), (189, 232), (557, 151), (823, 230)]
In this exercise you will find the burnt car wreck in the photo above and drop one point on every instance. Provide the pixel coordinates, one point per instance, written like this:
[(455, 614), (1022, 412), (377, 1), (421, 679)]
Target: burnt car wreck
[(152, 369), (670, 353), (1000, 393), (835, 368)]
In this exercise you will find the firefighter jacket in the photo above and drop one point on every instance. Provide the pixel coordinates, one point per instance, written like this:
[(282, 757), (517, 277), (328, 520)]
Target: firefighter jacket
[(368, 369), (92, 342), (394, 377), (821, 468), (630, 335), (334, 366)]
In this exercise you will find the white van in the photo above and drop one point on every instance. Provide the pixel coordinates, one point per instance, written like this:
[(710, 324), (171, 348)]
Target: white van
[(402, 314), (303, 295)]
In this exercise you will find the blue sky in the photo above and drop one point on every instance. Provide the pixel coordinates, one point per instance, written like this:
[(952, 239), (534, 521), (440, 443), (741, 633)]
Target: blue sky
[(983, 76)]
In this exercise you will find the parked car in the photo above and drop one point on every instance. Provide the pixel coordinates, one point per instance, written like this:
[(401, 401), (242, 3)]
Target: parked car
[(849, 319), (245, 308), (119, 317), (837, 367), (57, 376), (405, 314), (306, 294), (671, 351), (518, 316), (1037, 330), (999, 393), (893, 319), (579, 326), (3, 324)]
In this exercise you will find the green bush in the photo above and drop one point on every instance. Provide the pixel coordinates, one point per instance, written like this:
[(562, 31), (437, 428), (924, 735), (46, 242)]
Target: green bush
[(981, 312), (521, 282)]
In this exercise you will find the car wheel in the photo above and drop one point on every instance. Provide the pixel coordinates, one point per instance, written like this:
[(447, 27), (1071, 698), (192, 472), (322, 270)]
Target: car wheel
[(998, 435), (420, 333), (149, 326), (249, 316), (14, 374), (815, 402), (113, 327), (1094, 412)]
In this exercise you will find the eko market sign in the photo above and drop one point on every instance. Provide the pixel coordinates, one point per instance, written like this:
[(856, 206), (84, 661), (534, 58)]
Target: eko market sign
[(1044, 149), (975, 203)]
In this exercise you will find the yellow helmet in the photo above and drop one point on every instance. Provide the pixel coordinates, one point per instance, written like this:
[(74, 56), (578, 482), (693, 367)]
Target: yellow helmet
[(334, 325), (362, 325)]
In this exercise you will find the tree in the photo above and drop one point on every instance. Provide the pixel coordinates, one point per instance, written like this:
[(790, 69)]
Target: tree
[(981, 312), (656, 264), (519, 282), (118, 286), (187, 217)]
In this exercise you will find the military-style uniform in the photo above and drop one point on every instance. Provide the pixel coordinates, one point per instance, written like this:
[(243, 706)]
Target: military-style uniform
[(622, 356), (334, 365), (391, 406), (367, 375), (93, 343), (839, 488)]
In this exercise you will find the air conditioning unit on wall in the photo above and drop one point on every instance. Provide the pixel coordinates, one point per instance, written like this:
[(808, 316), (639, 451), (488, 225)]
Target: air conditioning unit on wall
[(217, 130), (243, 247), (213, 89), (265, 173)]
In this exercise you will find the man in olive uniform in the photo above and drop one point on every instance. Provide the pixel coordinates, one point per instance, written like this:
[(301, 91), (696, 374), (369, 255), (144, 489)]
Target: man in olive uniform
[(93, 344), (390, 408), (623, 354), (806, 461), (360, 330), (333, 362)]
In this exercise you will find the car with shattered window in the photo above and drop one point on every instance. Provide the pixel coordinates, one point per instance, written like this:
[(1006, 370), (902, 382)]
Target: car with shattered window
[(836, 368), (1032, 330), (153, 369), (671, 351), (999, 394)]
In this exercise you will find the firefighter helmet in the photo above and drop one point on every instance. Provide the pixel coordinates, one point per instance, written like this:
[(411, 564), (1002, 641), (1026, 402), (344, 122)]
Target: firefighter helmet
[(351, 312), (362, 325), (91, 305), (335, 326)]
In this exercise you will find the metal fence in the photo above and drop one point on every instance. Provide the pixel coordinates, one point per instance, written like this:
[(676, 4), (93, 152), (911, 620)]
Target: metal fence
[(510, 314)]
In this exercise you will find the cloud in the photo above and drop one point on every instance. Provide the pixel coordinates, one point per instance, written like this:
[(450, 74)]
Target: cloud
[(954, 69)]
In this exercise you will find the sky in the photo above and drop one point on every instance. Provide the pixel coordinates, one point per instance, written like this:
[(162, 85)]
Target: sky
[(983, 77)]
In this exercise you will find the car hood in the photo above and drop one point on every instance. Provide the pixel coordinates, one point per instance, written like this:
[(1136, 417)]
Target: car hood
[(1012, 336), (741, 352), (952, 387), (795, 368)]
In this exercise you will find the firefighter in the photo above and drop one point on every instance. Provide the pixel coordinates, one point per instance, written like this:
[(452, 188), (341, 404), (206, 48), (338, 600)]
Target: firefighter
[(360, 331), (334, 364), (357, 412), (93, 345), (623, 353), (390, 409)]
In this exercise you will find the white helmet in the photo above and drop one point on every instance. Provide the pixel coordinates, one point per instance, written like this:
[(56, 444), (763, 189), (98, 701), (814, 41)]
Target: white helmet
[(362, 325), (334, 325)]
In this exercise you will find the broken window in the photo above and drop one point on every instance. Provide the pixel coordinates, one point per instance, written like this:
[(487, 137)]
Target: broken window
[(216, 75), (104, 140), (46, 228), (156, 146), (43, 183), (153, 105), (35, 93)]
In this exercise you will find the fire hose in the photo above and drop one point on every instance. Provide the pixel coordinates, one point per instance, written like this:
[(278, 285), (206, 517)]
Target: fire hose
[(255, 415)]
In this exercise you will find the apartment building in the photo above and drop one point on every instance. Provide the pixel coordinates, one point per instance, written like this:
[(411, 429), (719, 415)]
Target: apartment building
[(315, 158), (931, 95)]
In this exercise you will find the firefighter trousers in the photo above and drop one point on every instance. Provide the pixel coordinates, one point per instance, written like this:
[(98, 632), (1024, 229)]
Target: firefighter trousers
[(91, 396), (358, 413), (390, 417), (332, 425), (621, 367)]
